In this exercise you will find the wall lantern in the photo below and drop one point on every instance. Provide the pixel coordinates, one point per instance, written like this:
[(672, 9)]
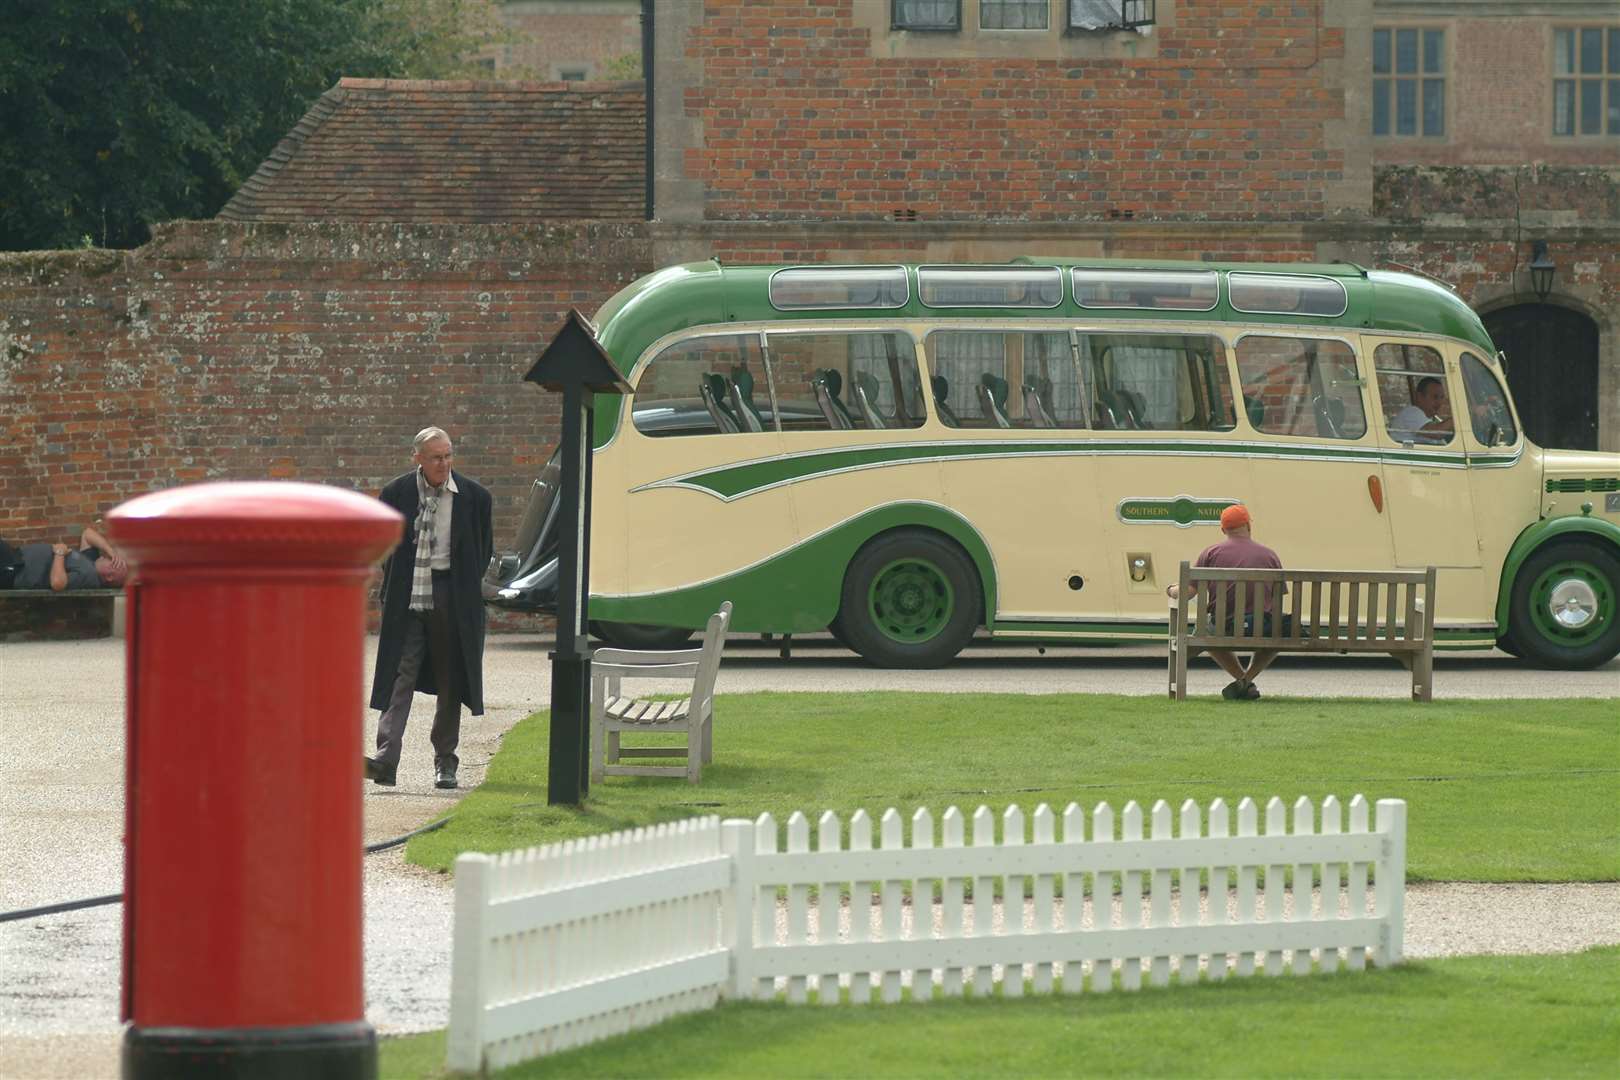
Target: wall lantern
[(1542, 269)]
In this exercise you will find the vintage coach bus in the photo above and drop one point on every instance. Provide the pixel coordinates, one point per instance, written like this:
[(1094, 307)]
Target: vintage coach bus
[(904, 454)]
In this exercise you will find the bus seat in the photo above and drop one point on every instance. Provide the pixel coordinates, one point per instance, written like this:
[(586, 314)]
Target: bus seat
[(1035, 406), (1114, 407), (1255, 405), (993, 399), (827, 383), (742, 399), (1135, 408), (712, 388), (866, 396), (942, 405)]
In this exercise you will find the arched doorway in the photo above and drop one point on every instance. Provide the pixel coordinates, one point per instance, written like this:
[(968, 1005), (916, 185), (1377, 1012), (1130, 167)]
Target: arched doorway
[(1552, 369)]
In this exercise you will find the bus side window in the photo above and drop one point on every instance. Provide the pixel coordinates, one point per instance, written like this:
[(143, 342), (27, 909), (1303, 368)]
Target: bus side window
[(1165, 382), (1488, 409), (1412, 391), (843, 380), (1015, 379), (702, 386), (1301, 386)]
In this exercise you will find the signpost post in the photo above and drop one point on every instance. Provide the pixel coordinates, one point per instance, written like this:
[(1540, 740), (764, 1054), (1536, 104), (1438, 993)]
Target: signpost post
[(573, 364)]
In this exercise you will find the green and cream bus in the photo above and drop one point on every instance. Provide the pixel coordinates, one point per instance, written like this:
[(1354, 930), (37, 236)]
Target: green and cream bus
[(903, 454)]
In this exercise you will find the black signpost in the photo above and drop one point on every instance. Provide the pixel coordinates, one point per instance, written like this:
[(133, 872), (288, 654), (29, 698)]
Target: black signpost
[(573, 364)]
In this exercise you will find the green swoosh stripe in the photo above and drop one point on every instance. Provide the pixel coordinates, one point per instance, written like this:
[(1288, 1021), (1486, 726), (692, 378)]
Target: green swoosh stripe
[(735, 481)]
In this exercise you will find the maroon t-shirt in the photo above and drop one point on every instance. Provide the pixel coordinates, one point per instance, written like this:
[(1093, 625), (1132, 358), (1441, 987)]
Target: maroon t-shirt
[(1242, 553)]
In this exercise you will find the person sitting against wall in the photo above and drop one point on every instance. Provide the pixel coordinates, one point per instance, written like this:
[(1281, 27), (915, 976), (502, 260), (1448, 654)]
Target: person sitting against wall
[(96, 564)]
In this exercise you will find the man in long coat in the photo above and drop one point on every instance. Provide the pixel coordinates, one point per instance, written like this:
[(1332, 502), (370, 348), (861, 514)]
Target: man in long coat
[(433, 611)]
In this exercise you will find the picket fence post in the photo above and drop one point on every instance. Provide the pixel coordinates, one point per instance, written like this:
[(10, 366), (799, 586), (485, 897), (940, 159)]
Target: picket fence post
[(469, 962), (1391, 885), (737, 905)]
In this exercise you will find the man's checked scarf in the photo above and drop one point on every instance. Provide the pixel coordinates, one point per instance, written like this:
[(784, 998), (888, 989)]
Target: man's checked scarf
[(422, 573)]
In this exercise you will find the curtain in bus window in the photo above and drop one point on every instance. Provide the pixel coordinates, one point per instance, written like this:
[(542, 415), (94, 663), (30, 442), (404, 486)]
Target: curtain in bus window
[(963, 359), (1301, 386), (1166, 382), (844, 380), (704, 386)]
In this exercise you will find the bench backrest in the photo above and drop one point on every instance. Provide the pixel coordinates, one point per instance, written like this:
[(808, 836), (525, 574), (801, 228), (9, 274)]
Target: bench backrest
[(1323, 608), (714, 640)]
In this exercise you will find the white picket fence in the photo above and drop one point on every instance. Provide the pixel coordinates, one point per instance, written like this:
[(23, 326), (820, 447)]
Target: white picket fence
[(562, 945)]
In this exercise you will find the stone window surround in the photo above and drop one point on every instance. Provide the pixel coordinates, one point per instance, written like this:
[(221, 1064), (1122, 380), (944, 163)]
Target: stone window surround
[(969, 41), (1448, 45)]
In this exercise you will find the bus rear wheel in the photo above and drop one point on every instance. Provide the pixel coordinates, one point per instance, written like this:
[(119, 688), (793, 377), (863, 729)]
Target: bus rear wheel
[(910, 600), (1565, 610), (624, 635)]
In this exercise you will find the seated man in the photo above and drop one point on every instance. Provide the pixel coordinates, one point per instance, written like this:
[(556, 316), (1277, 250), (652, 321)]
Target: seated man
[(96, 564), (1239, 551), (1426, 419)]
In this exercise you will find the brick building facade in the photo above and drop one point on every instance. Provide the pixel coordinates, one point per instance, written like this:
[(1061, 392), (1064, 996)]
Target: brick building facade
[(794, 131)]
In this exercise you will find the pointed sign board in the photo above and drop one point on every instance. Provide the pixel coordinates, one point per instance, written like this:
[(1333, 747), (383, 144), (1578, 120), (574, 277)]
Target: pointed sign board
[(575, 359), (573, 364)]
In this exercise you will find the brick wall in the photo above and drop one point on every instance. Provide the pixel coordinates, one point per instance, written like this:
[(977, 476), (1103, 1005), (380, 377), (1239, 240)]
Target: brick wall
[(802, 116), (551, 36), (305, 352)]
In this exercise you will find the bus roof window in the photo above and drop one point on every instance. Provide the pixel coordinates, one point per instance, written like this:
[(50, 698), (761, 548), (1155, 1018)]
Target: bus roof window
[(990, 286), (1286, 294), (808, 287), (1184, 290)]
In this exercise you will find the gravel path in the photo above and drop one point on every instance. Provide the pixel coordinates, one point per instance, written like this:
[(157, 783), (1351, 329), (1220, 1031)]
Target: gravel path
[(61, 821)]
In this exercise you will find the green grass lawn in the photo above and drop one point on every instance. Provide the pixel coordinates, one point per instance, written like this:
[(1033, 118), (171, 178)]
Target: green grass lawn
[(1471, 1016), (1496, 790)]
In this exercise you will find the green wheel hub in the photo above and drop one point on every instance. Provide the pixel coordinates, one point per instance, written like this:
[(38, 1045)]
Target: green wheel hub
[(910, 601), (1572, 602)]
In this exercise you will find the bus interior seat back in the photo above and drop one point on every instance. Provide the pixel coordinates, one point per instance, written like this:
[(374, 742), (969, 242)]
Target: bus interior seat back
[(993, 399), (827, 383), (1035, 406), (742, 399), (866, 396), (942, 393), (1115, 408), (712, 388), (1135, 408)]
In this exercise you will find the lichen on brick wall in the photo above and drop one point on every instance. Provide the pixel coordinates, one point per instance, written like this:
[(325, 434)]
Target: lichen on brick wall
[(1484, 193)]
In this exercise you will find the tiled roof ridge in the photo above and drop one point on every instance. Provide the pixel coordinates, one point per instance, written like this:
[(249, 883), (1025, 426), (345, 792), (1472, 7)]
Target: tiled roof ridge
[(242, 204), (465, 85)]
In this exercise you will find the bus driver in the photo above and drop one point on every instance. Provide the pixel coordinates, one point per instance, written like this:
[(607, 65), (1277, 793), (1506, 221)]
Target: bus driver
[(1426, 419)]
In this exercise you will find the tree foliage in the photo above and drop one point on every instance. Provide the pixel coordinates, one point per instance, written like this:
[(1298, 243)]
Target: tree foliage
[(116, 114)]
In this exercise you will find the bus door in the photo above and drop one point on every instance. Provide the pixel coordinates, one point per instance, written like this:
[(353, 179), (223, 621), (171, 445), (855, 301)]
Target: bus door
[(701, 406), (1426, 484), (1316, 474), (1168, 458)]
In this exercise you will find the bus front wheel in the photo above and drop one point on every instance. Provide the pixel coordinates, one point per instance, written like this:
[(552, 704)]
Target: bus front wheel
[(910, 600), (1565, 609)]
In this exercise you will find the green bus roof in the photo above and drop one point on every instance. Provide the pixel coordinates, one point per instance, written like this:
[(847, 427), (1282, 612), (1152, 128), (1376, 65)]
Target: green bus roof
[(714, 294)]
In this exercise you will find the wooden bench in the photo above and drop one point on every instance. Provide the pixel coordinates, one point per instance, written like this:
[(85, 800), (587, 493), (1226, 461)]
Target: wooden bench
[(71, 614), (614, 714), (1346, 611)]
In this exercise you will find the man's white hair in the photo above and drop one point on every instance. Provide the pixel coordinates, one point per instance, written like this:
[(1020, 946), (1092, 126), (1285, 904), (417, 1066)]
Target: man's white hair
[(427, 435)]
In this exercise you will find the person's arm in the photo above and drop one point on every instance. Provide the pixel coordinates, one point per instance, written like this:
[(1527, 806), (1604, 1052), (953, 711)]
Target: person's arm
[(92, 538), (485, 522), (59, 578)]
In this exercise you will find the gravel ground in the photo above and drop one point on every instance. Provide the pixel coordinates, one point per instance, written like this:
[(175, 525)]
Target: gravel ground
[(61, 817)]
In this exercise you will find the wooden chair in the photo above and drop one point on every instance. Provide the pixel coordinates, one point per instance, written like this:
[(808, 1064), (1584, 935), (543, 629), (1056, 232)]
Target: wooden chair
[(613, 713)]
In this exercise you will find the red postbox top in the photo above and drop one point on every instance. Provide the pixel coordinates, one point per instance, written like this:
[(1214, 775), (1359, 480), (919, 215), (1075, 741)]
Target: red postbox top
[(256, 523)]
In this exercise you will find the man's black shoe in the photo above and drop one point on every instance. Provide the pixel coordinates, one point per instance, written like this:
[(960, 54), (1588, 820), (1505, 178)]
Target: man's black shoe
[(446, 778), (380, 772)]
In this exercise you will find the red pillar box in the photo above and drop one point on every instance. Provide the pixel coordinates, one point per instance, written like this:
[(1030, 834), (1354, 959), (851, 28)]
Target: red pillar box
[(242, 878)]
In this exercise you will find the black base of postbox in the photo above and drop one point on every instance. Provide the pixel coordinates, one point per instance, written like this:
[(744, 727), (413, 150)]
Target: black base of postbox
[(316, 1052)]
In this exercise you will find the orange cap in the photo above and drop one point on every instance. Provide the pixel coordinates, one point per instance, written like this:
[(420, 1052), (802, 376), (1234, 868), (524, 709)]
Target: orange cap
[(1234, 517)]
